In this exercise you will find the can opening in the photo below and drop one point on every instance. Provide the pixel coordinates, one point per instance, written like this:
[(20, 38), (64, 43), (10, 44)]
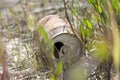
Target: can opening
[(57, 48)]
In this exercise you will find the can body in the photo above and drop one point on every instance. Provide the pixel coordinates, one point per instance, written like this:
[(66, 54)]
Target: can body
[(67, 47)]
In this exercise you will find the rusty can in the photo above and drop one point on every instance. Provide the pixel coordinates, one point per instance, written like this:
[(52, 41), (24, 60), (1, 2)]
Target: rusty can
[(68, 47)]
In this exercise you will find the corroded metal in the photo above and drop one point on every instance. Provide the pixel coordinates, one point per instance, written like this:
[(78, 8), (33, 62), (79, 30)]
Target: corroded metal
[(54, 25), (68, 47)]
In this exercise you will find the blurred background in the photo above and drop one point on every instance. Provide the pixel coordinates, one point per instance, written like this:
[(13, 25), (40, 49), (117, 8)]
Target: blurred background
[(92, 18)]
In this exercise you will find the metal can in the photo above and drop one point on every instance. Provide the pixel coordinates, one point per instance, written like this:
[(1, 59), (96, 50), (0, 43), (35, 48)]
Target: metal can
[(67, 46)]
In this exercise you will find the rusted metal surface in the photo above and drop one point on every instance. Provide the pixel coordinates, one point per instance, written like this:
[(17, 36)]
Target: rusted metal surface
[(68, 47), (54, 25)]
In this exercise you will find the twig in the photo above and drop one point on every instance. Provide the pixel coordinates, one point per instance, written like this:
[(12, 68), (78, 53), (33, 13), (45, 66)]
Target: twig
[(73, 30), (3, 59), (116, 35), (66, 14)]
